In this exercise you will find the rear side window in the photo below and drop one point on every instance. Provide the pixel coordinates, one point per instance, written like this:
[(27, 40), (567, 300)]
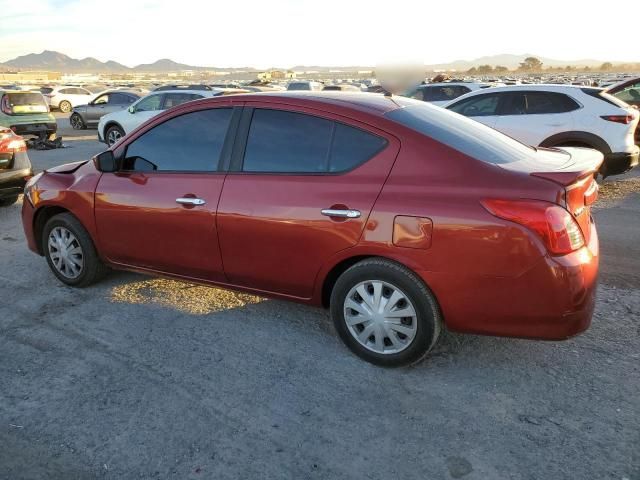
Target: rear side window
[(119, 99), (467, 136), (535, 103), (289, 142), (189, 143), (444, 93)]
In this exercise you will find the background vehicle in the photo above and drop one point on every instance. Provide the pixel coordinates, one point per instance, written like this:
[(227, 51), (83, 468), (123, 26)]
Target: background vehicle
[(627, 90), (15, 168), (342, 87), (304, 85), (114, 126), (109, 101), (26, 113), (441, 93), (400, 216), (559, 115), (65, 98)]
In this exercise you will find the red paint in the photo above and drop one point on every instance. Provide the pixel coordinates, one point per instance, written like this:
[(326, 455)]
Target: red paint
[(265, 234)]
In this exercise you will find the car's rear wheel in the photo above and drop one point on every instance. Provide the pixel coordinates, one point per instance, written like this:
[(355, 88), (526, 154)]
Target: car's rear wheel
[(76, 122), (8, 201), (64, 106), (113, 134), (384, 313), (70, 252)]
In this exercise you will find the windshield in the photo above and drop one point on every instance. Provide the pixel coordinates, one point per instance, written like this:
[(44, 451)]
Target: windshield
[(27, 102), (460, 133)]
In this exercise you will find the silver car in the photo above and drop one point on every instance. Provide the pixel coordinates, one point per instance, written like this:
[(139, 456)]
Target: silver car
[(109, 101)]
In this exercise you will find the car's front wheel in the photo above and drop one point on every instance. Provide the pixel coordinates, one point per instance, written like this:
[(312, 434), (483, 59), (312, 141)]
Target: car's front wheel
[(384, 313), (70, 252), (64, 106), (76, 122), (113, 134)]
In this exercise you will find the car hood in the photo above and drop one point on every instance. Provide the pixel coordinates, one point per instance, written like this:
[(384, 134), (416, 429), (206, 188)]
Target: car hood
[(67, 167), (80, 108)]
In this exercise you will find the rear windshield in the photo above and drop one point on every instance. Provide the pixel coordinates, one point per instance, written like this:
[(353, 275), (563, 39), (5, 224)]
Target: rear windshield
[(24, 102), (460, 133)]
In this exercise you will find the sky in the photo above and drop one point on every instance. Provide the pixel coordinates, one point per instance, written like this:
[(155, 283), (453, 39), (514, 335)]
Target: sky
[(285, 33)]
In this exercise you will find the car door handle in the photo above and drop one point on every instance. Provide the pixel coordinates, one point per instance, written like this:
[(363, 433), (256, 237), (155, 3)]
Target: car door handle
[(190, 201), (330, 212)]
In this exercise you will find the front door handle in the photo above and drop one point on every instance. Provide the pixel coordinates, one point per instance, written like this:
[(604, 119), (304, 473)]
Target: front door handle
[(190, 201), (330, 212)]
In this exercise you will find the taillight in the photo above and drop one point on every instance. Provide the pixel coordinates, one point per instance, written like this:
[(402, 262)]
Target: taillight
[(17, 146), (625, 119), (4, 105), (553, 224)]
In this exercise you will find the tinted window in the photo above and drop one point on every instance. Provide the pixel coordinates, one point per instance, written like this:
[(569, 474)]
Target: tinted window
[(533, 103), (119, 99), (477, 106), (190, 142), (444, 93), (174, 99), (467, 136), (67, 91), (299, 86), (291, 142), (152, 102)]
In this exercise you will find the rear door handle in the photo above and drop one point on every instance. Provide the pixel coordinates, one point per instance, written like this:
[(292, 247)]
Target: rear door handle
[(330, 212), (190, 201)]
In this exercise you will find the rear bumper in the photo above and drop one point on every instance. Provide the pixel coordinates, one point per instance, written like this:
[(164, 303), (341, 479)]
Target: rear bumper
[(12, 182), (35, 128), (552, 301), (619, 162)]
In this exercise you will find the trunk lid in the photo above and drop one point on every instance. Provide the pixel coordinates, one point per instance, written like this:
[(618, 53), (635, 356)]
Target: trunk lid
[(573, 170)]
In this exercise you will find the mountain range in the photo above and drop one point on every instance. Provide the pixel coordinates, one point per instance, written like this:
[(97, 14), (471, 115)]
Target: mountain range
[(56, 61)]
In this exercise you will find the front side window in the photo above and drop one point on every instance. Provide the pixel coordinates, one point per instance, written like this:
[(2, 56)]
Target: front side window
[(175, 99), (149, 104), (188, 143), (101, 100), (289, 142), (479, 106)]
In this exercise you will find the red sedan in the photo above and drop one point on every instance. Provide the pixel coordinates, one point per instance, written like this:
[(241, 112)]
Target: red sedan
[(401, 217)]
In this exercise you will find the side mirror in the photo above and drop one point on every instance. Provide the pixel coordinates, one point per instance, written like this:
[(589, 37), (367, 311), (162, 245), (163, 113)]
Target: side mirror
[(131, 109), (105, 162)]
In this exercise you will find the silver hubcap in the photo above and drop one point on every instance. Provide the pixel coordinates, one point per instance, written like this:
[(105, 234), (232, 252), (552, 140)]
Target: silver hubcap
[(65, 252), (113, 136), (65, 107), (380, 317)]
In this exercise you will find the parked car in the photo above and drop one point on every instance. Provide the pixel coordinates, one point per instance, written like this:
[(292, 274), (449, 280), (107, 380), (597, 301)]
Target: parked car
[(341, 87), (65, 98), (627, 90), (26, 113), (113, 126), (15, 168), (399, 216), (559, 115), (109, 101), (444, 92), (304, 85)]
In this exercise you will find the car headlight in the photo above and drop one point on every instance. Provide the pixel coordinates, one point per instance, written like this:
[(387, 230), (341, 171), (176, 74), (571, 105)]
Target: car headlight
[(31, 191)]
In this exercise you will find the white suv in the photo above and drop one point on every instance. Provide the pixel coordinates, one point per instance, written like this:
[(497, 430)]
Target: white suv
[(113, 126), (559, 115), (66, 98)]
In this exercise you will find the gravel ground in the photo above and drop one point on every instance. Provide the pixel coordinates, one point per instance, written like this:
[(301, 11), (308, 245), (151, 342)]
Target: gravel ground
[(140, 377)]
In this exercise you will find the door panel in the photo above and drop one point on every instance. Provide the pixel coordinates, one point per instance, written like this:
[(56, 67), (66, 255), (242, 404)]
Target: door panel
[(272, 233), (139, 222)]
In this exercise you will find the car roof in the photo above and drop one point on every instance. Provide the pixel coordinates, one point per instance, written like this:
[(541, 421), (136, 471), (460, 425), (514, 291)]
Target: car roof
[(373, 103), (547, 87)]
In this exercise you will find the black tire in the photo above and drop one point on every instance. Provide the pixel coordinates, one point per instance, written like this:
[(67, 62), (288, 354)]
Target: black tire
[(76, 122), (111, 133), (8, 201), (428, 316), (65, 106), (92, 269)]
